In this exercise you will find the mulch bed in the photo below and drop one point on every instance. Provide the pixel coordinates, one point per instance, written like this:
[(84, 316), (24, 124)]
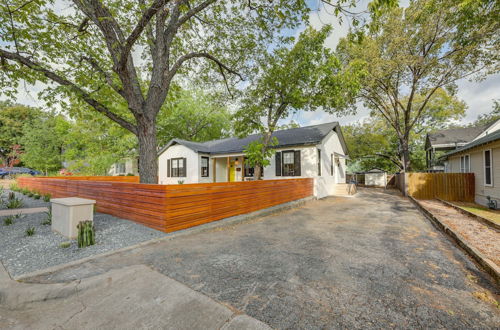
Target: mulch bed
[(477, 234)]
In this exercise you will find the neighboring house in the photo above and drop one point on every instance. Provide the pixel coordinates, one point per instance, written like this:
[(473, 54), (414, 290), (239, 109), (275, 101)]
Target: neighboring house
[(374, 177), (481, 156), (447, 140), (317, 152), (124, 167)]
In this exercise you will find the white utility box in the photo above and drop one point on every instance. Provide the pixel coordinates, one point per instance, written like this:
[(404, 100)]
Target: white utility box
[(68, 212)]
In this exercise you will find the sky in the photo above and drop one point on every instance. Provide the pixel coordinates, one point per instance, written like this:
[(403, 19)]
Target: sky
[(479, 96)]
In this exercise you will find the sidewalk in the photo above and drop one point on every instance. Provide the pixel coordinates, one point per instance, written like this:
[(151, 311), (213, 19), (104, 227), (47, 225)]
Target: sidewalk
[(134, 297)]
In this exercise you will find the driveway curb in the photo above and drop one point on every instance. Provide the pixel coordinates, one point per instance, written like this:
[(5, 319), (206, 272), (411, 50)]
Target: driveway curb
[(489, 266), (197, 229), (475, 216)]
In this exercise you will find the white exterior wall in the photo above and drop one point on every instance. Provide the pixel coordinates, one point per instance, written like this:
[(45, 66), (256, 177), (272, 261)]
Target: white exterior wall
[(192, 165), (324, 185), (376, 179), (477, 167), (130, 167)]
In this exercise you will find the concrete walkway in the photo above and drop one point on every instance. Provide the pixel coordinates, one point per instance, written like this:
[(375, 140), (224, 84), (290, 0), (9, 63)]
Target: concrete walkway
[(23, 211), (367, 262), (134, 297)]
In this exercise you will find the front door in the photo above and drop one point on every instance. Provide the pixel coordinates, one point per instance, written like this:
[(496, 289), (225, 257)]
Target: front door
[(232, 171)]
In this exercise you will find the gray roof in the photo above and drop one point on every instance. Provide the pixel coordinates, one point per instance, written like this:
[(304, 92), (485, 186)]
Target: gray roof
[(309, 135), (485, 139), (456, 136)]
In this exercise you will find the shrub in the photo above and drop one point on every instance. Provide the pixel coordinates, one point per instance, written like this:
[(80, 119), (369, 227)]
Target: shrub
[(48, 217), (65, 245), (24, 191), (19, 216), (30, 194), (14, 204), (36, 196), (46, 198), (14, 187), (30, 231), (86, 235), (7, 221)]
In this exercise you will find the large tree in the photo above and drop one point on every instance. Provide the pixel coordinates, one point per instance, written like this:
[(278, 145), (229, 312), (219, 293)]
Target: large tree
[(120, 57), (304, 77), (412, 54)]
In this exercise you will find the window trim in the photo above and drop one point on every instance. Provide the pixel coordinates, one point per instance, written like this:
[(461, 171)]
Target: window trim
[(462, 169), (208, 166), (283, 162), (181, 159), (490, 168)]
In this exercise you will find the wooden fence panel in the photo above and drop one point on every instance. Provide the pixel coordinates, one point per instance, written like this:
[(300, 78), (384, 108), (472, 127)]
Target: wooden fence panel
[(173, 207), (447, 186)]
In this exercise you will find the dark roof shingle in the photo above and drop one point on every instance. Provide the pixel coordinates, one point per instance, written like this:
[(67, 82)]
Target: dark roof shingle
[(290, 137)]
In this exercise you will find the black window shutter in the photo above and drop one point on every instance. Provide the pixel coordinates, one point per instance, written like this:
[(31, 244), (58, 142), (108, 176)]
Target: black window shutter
[(168, 168), (277, 163), (296, 163), (184, 167)]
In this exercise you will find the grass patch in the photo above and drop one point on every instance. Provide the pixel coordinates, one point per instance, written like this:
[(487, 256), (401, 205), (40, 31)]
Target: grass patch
[(482, 211)]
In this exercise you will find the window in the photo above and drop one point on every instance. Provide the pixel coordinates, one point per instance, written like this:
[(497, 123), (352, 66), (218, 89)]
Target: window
[(288, 163), (178, 167), (319, 162), (120, 168), (204, 166), (488, 177), (249, 171), (465, 164)]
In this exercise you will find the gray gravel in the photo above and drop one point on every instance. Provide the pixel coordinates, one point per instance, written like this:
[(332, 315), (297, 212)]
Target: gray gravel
[(28, 202), (22, 254)]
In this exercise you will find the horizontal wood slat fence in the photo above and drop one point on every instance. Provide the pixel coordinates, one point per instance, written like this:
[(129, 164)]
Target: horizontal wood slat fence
[(173, 207), (447, 186)]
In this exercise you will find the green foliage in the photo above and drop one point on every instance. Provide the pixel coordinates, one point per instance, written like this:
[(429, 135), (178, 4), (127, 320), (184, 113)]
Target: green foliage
[(48, 217), (489, 117), (305, 77), (86, 236), (257, 155), (413, 59), (14, 204), (9, 220), (30, 231), (46, 198), (14, 187), (44, 142), (194, 115), (65, 245), (13, 117)]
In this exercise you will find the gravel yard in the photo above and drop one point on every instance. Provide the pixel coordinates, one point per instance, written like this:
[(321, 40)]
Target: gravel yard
[(482, 237), (23, 254), (28, 202)]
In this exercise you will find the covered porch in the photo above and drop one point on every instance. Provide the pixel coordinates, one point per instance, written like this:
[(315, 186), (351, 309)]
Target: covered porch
[(230, 168)]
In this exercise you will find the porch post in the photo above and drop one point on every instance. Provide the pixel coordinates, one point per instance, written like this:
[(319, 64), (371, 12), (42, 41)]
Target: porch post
[(228, 169), (242, 168), (214, 173)]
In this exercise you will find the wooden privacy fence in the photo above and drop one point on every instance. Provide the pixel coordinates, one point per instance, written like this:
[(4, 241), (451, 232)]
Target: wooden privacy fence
[(174, 207), (447, 186)]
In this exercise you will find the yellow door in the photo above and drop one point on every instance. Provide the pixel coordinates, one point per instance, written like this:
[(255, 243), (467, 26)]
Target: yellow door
[(232, 172)]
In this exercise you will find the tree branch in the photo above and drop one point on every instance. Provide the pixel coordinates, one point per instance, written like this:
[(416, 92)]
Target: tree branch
[(193, 11), (136, 33), (65, 82)]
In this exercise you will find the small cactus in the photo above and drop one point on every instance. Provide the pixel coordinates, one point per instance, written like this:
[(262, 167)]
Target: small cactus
[(86, 236)]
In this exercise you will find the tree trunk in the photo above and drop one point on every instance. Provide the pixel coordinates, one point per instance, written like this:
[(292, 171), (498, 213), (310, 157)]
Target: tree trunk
[(257, 173), (405, 154), (148, 158)]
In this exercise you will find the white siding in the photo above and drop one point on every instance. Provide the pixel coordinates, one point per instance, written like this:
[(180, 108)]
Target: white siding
[(477, 167), (192, 165)]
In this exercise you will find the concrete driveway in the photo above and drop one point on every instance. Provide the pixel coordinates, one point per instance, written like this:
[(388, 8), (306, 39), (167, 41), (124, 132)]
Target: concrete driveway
[(369, 261)]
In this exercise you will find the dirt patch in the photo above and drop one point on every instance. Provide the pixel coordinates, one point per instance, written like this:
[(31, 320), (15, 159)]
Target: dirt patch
[(480, 236)]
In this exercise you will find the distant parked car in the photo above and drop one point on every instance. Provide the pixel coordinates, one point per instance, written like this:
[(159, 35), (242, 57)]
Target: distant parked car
[(8, 172)]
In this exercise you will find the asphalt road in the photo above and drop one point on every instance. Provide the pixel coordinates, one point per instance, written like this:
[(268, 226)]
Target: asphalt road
[(370, 261)]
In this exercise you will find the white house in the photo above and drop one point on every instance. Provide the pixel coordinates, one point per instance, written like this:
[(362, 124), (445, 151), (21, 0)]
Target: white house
[(317, 152), (480, 156), (124, 167)]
